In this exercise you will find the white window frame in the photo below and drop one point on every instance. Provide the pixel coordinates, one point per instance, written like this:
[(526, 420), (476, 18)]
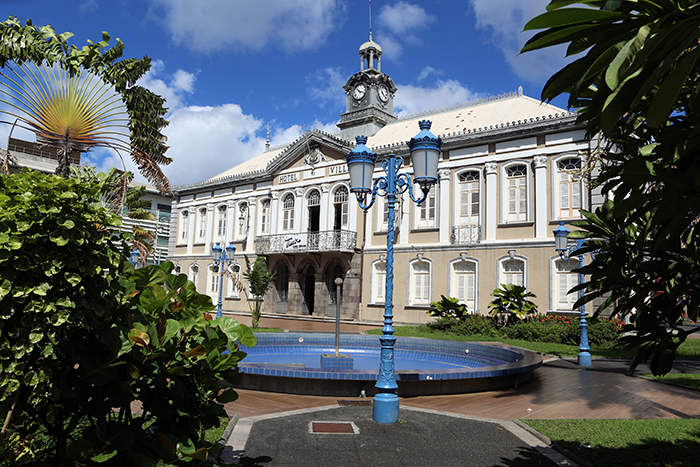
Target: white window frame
[(265, 206), (193, 274), (382, 209), (345, 205), (453, 288), (420, 299), (458, 186), (502, 273), (184, 225), (505, 193), (244, 210), (556, 190), (235, 270), (287, 217), (378, 282), (201, 225), (425, 216), (555, 283), (221, 212)]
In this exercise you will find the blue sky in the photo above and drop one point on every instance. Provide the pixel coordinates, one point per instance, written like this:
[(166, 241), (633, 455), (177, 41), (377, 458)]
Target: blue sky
[(228, 68)]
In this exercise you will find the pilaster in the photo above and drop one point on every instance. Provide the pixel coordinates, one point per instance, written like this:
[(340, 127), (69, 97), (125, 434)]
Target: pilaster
[(443, 212), (491, 201)]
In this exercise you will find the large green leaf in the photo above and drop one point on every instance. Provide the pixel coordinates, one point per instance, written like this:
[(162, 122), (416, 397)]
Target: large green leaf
[(571, 16)]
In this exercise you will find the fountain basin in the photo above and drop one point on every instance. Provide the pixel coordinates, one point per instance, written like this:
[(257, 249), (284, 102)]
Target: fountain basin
[(290, 363)]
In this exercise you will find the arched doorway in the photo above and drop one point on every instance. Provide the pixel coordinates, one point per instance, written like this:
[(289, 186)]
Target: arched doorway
[(333, 298), (308, 290), (282, 286)]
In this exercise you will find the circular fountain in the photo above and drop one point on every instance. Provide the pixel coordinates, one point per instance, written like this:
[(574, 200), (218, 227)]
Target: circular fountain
[(290, 362)]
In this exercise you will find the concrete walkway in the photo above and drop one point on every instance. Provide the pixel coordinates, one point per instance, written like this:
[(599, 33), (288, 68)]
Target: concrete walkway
[(461, 429)]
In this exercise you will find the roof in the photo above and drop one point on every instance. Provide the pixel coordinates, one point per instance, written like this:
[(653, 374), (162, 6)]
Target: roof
[(504, 111)]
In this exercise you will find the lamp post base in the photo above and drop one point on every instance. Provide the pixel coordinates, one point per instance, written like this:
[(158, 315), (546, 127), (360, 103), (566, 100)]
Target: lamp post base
[(584, 359), (385, 408)]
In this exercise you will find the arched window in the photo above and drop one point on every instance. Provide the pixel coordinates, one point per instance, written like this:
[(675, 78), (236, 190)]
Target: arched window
[(202, 225), (282, 283), (314, 198), (194, 275), (288, 213), (265, 216), (378, 282), (221, 223), (340, 205), (235, 272), (565, 281), (425, 213), (420, 285), (469, 197), (570, 187), (214, 280), (184, 225), (516, 194), (513, 272), (464, 283)]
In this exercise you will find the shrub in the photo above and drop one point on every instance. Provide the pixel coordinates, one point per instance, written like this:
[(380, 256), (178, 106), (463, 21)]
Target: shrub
[(469, 325), (512, 300), (557, 329), (448, 307)]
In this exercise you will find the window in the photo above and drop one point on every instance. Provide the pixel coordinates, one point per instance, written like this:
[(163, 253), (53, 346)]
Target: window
[(464, 283), (202, 230), (221, 222), (469, 197), (314, 198), (565, 281), (288, 213), (570, 188), (235, 278), (378, 282), (194, 274), (426, 212), (184, 225), (282, 283), (340, 205), (265, 216), (516, 196), (177, 270), (513, 272), (243, 220), (420, 283), (385, 213), (214, 280)]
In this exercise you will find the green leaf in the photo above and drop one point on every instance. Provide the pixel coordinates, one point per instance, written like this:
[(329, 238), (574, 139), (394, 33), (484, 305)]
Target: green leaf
[(665, 99), (72, 278), (149, 275), (5, 288), (104, 457), (227, 396), (570, 16)]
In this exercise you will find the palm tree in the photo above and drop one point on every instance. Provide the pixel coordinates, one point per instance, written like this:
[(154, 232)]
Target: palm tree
[(76, 99)]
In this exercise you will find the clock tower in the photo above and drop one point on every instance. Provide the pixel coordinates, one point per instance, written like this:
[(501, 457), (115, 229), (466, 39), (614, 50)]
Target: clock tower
[(370, 95)]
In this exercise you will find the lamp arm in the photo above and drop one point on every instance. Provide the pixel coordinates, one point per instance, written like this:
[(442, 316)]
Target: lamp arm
[(403, 182), (379, 188)]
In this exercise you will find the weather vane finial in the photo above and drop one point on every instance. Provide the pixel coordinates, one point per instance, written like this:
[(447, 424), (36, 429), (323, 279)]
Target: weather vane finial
[(370, 20)]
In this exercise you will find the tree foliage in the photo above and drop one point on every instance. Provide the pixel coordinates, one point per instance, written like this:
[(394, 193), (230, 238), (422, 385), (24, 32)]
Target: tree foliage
[(76, 98), (260, 279), (638, 84), (513, 299), (448, 307), (84, 337)]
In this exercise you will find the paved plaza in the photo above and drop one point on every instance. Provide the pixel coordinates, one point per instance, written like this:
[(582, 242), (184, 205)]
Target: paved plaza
[(462, 429)]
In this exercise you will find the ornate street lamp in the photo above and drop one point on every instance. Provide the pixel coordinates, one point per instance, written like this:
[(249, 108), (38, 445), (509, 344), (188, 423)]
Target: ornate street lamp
[(565, 252), (134, 258), (222, 259), (425, 153)]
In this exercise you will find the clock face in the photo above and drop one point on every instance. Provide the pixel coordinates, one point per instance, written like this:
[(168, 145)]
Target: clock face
[(359, 91), (383, 93)]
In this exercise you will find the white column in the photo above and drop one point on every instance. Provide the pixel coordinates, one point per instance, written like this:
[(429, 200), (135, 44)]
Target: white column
[(326, 207), (250, 236), (405, 227), (274, 212), (491, 201), (540, 201), (209, 234), (191, 225), (298, 205), (443, 211)]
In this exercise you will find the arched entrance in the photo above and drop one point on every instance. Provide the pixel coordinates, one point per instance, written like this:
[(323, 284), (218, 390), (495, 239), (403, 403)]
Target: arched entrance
[(308, 290), (336, 271), (282, 286)]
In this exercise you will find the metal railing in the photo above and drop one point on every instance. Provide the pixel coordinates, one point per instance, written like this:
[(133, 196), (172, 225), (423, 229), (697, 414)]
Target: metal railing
[(465, 234), (329, 240)]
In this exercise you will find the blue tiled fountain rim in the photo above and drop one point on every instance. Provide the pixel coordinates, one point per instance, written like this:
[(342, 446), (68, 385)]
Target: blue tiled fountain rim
[(507, 360)]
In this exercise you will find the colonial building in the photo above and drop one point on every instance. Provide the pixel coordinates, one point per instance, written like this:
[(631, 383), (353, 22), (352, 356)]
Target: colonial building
[(509, 172)]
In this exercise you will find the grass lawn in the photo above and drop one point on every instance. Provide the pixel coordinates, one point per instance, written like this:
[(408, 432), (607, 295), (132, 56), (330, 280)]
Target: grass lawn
[(689, 350), (627, 443), (686, 379)]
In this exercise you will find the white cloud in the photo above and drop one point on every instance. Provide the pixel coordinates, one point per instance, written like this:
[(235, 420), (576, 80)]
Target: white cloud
[(325, 86), (179, 83), (399, 24), (504, 20), (427, 71), (413, 99), (211, 25)]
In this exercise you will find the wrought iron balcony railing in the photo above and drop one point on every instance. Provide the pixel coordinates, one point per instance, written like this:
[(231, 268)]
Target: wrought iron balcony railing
[(329, 240), (465, 234)]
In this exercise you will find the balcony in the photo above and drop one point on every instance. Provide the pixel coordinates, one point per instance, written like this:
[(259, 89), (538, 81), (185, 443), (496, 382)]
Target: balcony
[(307, 242), (465, 234)]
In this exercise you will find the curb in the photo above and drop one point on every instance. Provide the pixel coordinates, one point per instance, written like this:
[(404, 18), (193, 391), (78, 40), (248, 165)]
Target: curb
[(560, 449)]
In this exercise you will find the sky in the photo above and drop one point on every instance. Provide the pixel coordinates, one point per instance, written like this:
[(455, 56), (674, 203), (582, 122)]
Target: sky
[(230, 68)]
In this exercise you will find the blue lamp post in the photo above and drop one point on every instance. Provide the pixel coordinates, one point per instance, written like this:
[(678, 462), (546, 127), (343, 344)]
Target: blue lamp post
[(222, 259), (565, 252), (425, 153), (134, 258)]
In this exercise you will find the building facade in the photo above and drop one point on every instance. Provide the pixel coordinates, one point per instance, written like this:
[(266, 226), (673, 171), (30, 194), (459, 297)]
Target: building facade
[(511, 168)]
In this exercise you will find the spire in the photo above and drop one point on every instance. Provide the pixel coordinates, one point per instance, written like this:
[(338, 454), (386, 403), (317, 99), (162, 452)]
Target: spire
[(370, 52), (370, 20), (267, 142)]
